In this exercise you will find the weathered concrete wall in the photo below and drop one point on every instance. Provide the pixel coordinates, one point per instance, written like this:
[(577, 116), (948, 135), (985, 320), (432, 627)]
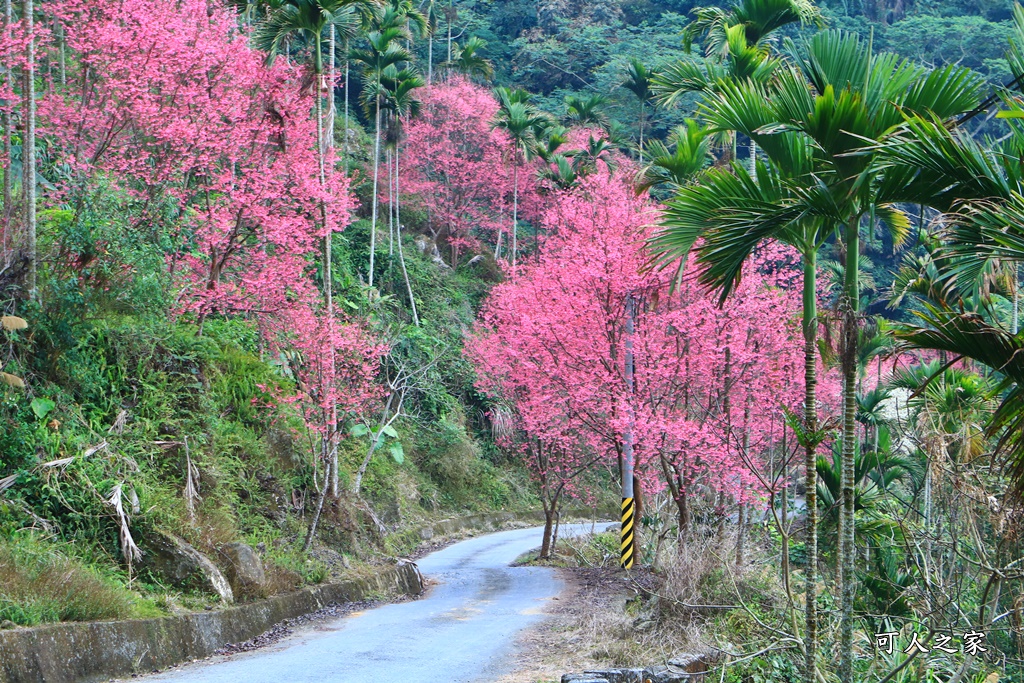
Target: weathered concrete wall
[(70, 652), (96, 651)]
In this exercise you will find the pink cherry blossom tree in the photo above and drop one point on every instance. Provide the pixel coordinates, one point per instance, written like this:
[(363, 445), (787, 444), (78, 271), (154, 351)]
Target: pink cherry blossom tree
[(457, 166), (172, 105), (708, 381)]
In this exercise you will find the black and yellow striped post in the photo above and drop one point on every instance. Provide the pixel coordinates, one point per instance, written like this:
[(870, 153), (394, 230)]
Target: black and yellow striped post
[(626, 554), (628, 519)]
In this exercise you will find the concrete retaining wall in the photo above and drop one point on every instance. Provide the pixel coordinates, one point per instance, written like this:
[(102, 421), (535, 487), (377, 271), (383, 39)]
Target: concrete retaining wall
[(96, 651), (70, 652)]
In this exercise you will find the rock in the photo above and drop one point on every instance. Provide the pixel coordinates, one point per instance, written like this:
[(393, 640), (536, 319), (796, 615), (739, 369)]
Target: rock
[(605, 676), (642, 625), (666, 674), (429, 247), (175, 561), (691, 663), (7, 624), (244, 569)]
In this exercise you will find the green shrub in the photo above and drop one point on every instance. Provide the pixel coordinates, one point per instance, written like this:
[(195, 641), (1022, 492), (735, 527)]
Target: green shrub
[(39, 586)]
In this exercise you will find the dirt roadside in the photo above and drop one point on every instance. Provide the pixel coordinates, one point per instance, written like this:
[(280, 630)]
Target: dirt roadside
[(574, 634)]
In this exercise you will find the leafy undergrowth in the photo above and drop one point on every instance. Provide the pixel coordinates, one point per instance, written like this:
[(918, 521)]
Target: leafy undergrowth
[(40, 585), (120, 407)]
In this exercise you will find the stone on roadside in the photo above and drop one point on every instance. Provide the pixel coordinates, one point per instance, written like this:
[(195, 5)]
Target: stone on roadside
[(582, 678), (606, 676), (244, 569), (669, 674), (178, 563)]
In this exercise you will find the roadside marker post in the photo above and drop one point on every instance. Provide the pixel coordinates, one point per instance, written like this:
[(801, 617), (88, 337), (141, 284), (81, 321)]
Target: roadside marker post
[(626, 550), (628, 514)]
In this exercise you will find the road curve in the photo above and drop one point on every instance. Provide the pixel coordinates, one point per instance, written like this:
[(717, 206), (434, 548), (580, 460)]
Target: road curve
[(463, 630)]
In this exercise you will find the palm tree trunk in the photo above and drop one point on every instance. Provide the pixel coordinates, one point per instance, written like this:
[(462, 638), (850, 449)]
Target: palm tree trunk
[(62, 56), (394, 200), (643, 113), (851, 296), (449, 18), (6, 119), (331, 475), (391, 203), (810, 324), (430, 53), (344, 150), (330, 95), (515, 207), (401, 255), (376, 176), (28, 153)]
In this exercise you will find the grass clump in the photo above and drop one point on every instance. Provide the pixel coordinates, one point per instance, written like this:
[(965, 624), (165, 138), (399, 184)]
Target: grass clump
[(39, 585)]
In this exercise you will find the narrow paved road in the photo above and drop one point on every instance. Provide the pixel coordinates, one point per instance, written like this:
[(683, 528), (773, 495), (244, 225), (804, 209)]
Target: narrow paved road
[(463, 630)]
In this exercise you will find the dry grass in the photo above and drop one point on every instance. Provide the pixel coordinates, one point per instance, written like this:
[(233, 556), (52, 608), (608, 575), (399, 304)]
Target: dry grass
[(39, 586), (280, 579), (608, 620)]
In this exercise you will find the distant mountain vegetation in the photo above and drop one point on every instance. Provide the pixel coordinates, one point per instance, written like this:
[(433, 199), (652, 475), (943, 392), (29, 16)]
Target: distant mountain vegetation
[(554, 48)]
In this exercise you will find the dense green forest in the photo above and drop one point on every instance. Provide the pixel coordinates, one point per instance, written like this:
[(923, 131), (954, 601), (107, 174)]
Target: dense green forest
[(290, 279), (556, 49)]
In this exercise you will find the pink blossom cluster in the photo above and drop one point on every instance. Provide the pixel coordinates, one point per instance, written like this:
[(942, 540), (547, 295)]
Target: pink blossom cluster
[(710, 383), (173, 106), (460, 167), (167, 103)]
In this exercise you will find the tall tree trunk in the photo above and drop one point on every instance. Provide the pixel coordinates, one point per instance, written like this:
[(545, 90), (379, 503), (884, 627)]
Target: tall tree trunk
[(741, 534), (549, 525), (332, 75), (401, 254), (376, 180), (5, 117), (28, 152), (744, 512), (331, 473), (721, 504), (344, 149), (430, 50), (321, 494), (643, 115), (850, 304), (361, 472), (1016, 297), (449, 18), (515, 206), (391, 202), (62, 56), (810, 325), (683, 507)]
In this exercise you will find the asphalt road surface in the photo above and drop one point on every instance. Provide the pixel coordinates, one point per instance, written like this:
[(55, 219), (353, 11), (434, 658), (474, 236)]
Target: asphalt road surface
[(463, 630)]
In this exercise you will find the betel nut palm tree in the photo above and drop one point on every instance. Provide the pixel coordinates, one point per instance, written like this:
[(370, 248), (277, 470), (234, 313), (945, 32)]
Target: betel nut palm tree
[(521, 120), (309, 19), (819, 122), (383, 50)]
